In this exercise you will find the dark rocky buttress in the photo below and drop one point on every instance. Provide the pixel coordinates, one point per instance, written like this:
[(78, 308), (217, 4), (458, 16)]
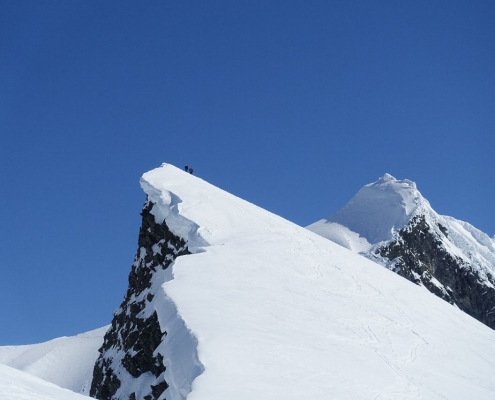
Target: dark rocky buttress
[(418, 255), (135, 333)]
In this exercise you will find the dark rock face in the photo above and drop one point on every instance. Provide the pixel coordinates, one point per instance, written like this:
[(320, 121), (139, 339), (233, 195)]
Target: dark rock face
[(419, 256), (135, 333)]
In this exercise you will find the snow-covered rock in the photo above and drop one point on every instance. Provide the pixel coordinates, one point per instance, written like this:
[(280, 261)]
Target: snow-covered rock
[(390, 222), (228, 301), (67, 361), (148, 351)]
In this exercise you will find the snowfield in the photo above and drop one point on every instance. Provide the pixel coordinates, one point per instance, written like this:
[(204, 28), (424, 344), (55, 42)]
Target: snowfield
[(280, 312), (67, 361), (18, 385)]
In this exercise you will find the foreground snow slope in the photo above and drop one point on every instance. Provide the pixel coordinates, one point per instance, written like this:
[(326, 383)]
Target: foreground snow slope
[(67, 361), (280, 312), (18, 385)]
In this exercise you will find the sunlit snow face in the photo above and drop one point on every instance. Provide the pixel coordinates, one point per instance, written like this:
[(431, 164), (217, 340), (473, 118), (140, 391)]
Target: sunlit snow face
[(380, 209)]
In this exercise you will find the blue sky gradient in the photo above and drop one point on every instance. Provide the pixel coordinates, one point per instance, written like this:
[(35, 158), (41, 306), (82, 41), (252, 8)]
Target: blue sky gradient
[(291, 105)]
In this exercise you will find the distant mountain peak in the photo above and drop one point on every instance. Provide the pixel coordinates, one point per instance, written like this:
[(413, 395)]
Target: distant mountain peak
[(391, 223)]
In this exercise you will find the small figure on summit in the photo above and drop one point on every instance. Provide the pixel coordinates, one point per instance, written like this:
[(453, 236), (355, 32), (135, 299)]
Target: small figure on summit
[(186, 168), (190, 170)]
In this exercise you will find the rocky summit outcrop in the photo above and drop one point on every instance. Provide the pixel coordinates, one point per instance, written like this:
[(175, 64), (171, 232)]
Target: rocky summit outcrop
[(131, 364)]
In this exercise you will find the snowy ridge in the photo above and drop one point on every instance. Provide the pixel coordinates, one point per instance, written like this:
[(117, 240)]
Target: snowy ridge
[(279, 312), (67, 361)]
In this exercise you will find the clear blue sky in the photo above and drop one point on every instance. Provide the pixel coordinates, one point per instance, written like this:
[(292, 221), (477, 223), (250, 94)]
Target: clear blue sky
[(292, 105)]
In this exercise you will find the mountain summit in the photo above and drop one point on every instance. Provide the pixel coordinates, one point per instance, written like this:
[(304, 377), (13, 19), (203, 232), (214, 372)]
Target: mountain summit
[(391, 223)]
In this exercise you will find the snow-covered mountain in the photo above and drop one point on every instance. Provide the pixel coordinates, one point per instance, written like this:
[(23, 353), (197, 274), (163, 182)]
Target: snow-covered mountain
[(228, 301), (66, 362), (390, 222)]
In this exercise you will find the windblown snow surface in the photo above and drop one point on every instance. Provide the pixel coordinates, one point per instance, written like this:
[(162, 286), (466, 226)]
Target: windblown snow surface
[(379, 210), (66, 361), (280, 312), (18, 385)]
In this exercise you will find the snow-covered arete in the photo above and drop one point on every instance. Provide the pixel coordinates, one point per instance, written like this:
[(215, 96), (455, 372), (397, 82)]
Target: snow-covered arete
[(279, 312), (390, 222), (66, 361)]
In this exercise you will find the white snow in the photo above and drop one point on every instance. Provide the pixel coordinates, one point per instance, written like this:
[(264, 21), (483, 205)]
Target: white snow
[(282, 313), (67, 361), (378, 209), (18, 385), (342, 235)]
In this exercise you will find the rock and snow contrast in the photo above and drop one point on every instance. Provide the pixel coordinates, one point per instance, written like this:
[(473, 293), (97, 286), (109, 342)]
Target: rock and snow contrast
[(148, 348), (67, 362), (390, 222), (228, 301)]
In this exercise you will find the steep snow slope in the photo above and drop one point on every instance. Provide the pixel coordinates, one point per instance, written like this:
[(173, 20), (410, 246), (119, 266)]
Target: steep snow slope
[(18, 385), (390, 222), (281, 313), (67, 361)]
